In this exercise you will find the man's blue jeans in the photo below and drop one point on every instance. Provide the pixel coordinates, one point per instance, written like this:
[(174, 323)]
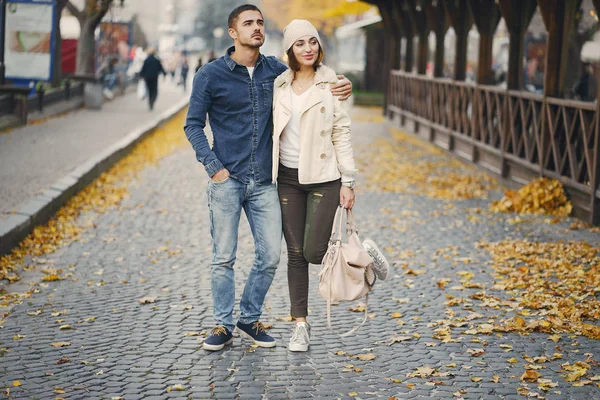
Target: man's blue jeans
[(226, 200)]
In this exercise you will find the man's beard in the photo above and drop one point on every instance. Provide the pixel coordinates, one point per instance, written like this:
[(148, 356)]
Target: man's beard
[(253, 44)]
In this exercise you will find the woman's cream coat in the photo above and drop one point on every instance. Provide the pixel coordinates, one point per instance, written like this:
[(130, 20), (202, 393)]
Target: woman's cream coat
[(325, 148)]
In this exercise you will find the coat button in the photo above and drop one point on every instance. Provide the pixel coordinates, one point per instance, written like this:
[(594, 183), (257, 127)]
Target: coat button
[(323, 155), (322, 109), (323, 133)]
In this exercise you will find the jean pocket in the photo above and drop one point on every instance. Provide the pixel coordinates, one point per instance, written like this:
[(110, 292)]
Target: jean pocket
[(268, 94), (220, 182)]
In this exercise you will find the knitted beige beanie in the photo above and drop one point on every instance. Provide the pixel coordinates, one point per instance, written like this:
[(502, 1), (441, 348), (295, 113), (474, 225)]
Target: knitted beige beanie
[(295, 30)]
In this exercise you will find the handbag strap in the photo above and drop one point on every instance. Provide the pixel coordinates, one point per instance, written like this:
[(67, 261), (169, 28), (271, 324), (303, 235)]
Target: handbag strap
[(350, 222), (338, 221), (336, 230), (351, 331)]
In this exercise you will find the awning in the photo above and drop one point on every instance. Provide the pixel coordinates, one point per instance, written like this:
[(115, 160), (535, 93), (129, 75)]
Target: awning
[(349, 7), (350, 29)]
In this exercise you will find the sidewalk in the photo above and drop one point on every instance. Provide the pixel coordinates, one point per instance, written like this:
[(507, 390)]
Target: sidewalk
[(478, 305), (35, 156)]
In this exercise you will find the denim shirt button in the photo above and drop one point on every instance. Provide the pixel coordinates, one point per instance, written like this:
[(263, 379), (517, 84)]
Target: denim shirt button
[(323, 133), (322, 110), (323, 155)]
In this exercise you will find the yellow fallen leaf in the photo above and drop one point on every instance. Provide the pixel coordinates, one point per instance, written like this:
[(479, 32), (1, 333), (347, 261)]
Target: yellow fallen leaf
[(366, 357), (396, 315), (352, 394), (65, 327), (513, 360), (404, 300), (59, 390), (359, 308), (506, 347), (51, 278), (476, 352), (530, 376), (422, 372), (396, 380), (398, 339), (476, 379), (61, 344), (495, 379), (147, 300), (16, 383), (555, 338)]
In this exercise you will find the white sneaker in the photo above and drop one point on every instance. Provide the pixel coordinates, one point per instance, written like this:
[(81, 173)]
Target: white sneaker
[(380, 265), (301, 337)]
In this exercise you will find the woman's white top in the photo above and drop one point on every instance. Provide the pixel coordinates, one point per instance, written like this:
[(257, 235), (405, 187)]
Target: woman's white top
[(289, 142)]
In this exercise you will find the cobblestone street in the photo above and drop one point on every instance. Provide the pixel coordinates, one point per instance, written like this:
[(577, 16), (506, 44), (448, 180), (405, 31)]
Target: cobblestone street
[(157, 244)]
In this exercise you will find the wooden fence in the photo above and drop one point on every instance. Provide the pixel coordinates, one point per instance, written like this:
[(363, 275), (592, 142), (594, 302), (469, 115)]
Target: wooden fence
[(515, 134)]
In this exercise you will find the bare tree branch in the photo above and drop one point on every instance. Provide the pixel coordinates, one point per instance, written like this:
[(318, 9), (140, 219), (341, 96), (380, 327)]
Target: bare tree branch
[(103, 10), (75, 11)]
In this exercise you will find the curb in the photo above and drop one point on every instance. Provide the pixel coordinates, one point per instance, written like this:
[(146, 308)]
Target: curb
[(43, 207)]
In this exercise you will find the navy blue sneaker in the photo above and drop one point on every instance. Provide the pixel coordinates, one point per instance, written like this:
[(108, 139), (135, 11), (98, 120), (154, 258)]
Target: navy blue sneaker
[(256, 332), (219, 337)]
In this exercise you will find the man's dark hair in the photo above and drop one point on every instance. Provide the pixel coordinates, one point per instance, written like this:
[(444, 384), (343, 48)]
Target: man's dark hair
[(238, 10)]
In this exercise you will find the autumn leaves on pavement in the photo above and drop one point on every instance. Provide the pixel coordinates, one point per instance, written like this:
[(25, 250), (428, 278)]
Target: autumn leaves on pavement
[(105, 192), (546, 287)]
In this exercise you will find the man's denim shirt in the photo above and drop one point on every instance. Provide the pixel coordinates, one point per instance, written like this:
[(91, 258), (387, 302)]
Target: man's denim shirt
[(241, 118)]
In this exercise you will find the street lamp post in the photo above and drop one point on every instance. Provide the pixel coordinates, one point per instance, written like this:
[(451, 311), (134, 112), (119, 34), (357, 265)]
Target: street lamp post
[(2, 41)]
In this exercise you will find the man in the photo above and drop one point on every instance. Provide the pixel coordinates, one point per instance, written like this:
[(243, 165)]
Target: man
[(151, 69), (237, 92), (185, 69)]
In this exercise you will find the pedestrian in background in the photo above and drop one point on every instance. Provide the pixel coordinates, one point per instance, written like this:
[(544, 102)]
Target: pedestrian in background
[(184, 70), (198, 65), (151, 69)]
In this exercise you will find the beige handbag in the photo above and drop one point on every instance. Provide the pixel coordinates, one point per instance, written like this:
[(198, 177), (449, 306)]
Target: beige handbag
[(346, 273)]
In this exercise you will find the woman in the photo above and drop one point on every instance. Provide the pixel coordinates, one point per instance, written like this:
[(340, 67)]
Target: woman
[(313, 164)]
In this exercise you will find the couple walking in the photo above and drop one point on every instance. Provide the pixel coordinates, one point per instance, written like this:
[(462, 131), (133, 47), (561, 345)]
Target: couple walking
[(282, 153)]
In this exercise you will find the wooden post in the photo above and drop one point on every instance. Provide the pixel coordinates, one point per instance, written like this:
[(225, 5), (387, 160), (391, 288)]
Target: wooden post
[(417, 13), (487, 16), (517, 14), (396, 24), (403, 16), (595, 206), (439, 23), (595, 181), (461, 19), (558, 17), (390, 47)]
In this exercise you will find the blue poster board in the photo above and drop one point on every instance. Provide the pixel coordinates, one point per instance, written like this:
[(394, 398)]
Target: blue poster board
[(30, 41)]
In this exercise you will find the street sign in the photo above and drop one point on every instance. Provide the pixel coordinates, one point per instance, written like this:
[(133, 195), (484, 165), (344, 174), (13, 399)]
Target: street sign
[(29, 39)]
